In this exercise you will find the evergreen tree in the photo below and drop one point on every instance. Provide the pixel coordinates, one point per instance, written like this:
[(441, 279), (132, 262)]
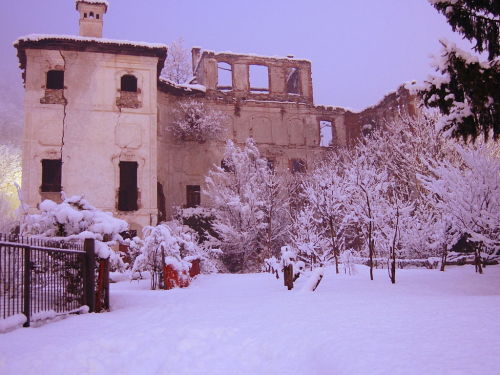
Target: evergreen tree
[(467, 92)]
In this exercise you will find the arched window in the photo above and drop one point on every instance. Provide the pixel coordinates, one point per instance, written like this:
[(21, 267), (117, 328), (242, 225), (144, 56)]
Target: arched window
[(129, 83), (91, 15), (55, 80)]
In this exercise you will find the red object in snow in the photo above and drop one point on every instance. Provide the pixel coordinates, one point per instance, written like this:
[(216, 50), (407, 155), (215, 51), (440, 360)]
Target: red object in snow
[(172, 278), (194, 270)]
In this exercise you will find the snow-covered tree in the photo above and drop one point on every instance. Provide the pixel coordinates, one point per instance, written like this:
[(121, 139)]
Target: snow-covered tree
[(309, 238), (470, 195), (466, 91), (275, 212), (243, 196), (327, 191), (193, 121), (368, 186), (178, 63)]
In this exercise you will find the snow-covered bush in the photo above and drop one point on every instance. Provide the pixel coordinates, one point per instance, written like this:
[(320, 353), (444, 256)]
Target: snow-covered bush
[(193, 121), (75, 218), (174, 244)]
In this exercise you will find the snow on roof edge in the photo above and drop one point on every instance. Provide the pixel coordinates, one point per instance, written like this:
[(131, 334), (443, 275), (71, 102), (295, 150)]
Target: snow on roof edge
[(255, 55), (185, 86), (40, 37)]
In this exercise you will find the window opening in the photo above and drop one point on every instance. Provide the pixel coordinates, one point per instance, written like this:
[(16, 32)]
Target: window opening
[(91, 14), (129, 83), (127, 193), (192, 195), (326, 133), (51, 175), (97, 16), (292, 81), (55, 80), (258, 76), (298, 166), (224, 76), (84, 15)]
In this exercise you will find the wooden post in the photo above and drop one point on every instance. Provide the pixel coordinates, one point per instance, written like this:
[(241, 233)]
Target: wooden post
[(106, 285), (89, 279), (288, 276), (27, 285)]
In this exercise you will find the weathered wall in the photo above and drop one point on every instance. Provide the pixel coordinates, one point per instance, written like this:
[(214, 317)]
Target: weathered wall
[(285, 126), (90, 132)]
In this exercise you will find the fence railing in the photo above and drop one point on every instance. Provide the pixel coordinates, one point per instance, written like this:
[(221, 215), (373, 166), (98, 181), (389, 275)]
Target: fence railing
[(39, 276)]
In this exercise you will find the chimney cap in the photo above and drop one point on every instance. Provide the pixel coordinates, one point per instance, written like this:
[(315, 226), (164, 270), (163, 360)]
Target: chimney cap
[(93, 2)]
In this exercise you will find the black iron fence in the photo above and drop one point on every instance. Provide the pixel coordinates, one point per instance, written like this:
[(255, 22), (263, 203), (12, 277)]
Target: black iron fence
[(40, 277)]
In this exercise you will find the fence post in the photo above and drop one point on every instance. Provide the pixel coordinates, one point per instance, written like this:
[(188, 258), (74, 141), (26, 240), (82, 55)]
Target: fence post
[(89, 247), (106, 286), (27, 285)]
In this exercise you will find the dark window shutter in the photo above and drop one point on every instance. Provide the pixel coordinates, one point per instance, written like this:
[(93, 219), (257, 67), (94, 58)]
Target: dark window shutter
[(51, 175), (127, 193)]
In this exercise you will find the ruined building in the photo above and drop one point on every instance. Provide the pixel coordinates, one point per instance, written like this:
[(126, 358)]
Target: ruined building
[(97, 113)]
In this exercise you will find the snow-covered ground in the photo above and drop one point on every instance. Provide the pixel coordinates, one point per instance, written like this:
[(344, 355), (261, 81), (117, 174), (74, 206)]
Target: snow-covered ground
[(428, 323)]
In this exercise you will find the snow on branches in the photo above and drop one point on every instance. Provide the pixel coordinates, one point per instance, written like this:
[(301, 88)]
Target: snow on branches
[(466, 92), (469, 193), (74, 218), (178, 63), (249, 206), (193, 121), (173, 244)]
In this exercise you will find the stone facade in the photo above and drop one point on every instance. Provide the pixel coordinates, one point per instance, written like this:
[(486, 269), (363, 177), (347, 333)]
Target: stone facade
[(112, 110)]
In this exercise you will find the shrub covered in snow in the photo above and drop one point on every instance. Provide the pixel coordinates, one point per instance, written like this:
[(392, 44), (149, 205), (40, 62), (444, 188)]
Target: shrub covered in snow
[(75, 218), (174, 244), (195, 122)]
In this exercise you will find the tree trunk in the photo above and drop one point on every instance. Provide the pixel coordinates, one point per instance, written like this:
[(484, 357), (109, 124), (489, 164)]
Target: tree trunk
[(393, 267), (477, 253), (334, 248), (444, 255)]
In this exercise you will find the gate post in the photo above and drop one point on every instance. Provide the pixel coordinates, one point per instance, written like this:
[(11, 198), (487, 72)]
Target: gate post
[(27, 285), (89, 279)]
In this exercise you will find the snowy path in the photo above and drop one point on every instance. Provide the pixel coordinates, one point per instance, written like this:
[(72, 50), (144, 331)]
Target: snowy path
[(428, 323)]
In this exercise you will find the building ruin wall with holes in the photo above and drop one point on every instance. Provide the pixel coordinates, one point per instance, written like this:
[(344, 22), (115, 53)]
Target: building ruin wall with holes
[(97, 113)]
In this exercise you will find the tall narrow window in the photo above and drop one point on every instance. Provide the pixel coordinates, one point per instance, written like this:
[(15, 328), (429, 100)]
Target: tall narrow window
[(326, 133), (258, 77), (129, 83), (55, 80), (51, 175), (127, 193), (192, 195), (224, 76), (292, 81)]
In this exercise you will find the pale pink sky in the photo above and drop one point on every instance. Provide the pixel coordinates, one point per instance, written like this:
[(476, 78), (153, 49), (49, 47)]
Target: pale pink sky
[(360, 49)]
